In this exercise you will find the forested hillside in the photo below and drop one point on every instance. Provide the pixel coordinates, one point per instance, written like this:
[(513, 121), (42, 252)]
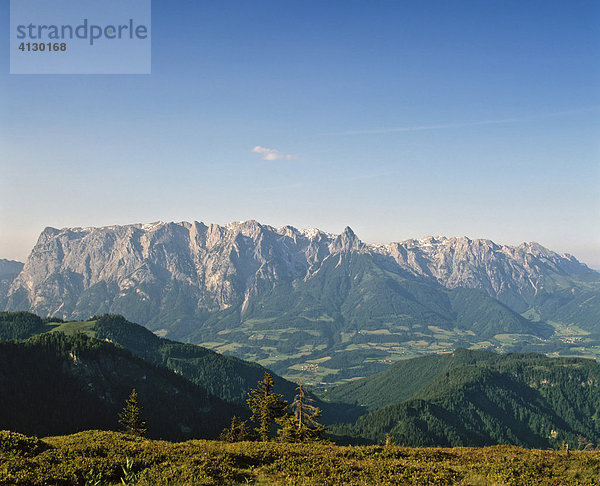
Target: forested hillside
[(226, 377), (17, 326), (56, 384), (404, 378), (481, 399)]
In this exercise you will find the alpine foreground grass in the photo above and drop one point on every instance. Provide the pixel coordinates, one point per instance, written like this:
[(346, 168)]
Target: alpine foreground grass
[(103, 458)]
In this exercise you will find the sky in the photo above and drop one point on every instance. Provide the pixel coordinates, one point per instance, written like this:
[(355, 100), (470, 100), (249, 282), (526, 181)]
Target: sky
[(400, 119)]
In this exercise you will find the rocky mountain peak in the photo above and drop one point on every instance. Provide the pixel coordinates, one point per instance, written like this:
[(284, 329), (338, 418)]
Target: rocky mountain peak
[(346, 241), (9, 267)]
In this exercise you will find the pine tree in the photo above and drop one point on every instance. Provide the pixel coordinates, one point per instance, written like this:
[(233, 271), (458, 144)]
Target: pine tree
[(130, 416), (236, 432), (288, 431), (306, 416), (266, 406)]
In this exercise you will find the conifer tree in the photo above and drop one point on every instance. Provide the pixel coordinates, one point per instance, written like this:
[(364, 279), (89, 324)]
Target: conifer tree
[(266, 406), (306, 416), (130, 417), (288, 431), (236, 432)]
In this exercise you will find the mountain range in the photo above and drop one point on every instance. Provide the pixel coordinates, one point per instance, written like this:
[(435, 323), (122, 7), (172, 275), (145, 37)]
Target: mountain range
[(310, 303)]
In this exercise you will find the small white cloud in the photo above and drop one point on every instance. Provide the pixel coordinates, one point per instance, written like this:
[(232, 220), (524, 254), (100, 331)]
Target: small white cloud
[(272, 154)]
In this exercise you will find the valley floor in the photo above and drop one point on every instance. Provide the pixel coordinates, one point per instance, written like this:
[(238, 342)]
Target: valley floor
[(98, 458)]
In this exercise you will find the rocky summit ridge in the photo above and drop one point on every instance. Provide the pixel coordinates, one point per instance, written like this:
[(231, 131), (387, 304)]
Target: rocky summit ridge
[(225, 262)]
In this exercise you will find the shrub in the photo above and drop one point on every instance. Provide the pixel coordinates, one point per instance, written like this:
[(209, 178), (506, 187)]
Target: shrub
[(15, 443)]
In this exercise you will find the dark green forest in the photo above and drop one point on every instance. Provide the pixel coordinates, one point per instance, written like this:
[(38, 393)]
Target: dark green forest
[(479, 398), (17, 326), (56, 384)]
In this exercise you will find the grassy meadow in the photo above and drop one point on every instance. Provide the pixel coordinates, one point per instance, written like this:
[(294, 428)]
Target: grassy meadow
[(104, 458)]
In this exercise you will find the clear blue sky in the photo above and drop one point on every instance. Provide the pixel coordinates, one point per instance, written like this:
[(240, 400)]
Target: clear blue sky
[(401, 119)]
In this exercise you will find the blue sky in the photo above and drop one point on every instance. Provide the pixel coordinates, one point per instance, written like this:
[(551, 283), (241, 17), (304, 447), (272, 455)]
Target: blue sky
[(400, 119)]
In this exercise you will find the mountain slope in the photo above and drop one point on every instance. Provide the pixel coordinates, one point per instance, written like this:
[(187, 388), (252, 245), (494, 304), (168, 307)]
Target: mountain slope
[(294, 300), (527, 400), (225, 377), (18, 326), (405, 378), (9, 269), (56, 384)]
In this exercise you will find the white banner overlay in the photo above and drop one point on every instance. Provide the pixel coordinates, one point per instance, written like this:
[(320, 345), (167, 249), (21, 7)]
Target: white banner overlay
[(80, 37)]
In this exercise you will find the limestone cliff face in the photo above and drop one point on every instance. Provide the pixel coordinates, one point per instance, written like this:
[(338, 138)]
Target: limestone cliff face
[(144, 270), (514, 275), (218, 266)]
